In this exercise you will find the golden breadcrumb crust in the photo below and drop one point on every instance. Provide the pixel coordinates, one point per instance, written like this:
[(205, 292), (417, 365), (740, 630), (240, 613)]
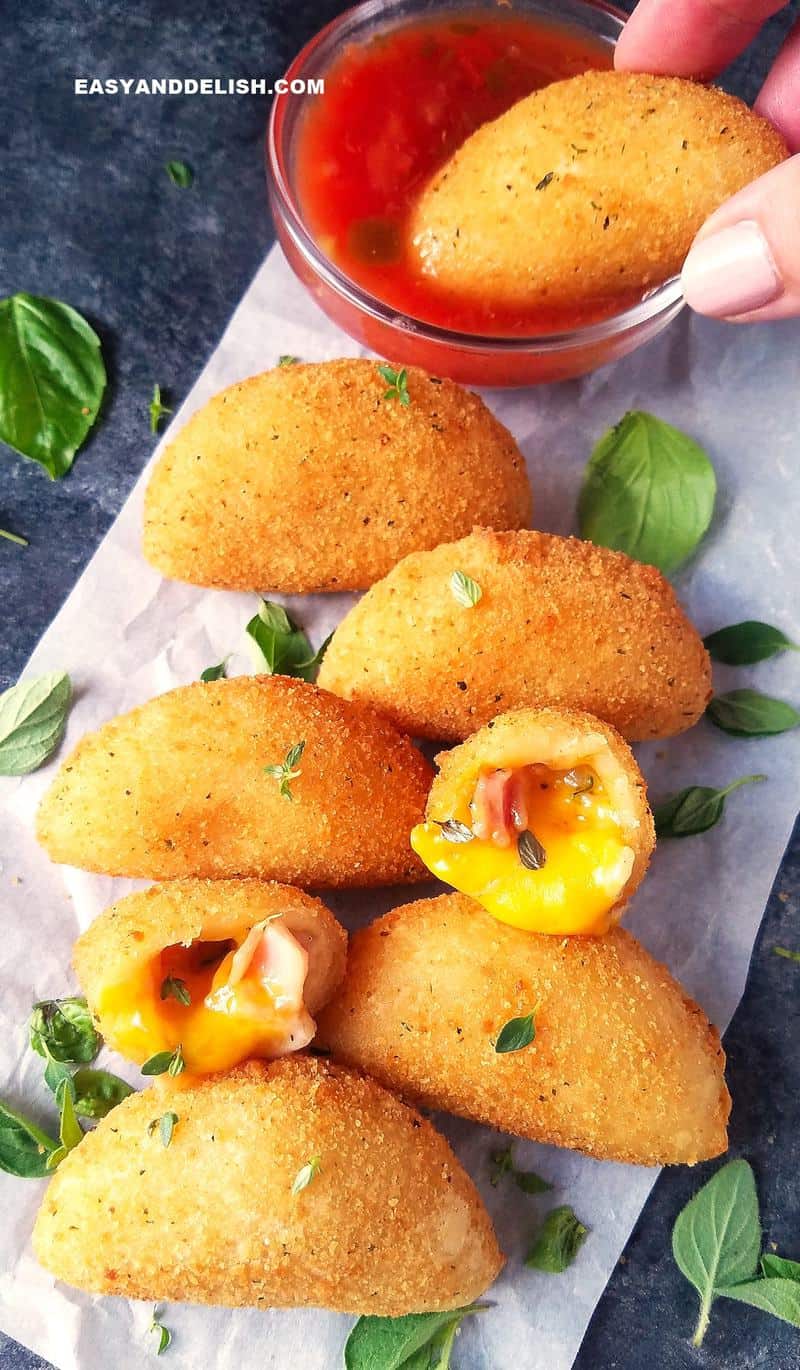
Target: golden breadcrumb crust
[(178, 787), (624, 1066), (588, 188), (132, 932), (560, 738), (560, 622), (308, 478), (390, 1224)]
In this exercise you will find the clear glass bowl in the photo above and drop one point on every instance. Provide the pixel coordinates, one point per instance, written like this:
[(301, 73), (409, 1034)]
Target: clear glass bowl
[(472, 358)]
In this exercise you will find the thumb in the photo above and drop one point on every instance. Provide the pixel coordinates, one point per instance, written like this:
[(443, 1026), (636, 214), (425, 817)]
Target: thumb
[(744, 264)]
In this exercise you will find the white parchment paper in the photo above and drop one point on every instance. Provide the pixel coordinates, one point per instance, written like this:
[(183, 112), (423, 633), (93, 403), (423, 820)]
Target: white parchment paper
[(125, 635)]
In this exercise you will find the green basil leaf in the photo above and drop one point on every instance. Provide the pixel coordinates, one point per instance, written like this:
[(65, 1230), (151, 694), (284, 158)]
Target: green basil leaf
[(33, 715), (97, 1092), (649, 490), (531, 1183), (779, 1297), (52, 380), (746, 713), (63, 1029), (70, 1130), (282, 648), (465, 590), (24, 1147), (391, 1343), (779, 1267), (515, 1034), (558, 1243), (695, 809), (57, 1075), (743, 644), (502, 1163), (180, 174), (717, 1237), (215, 672), (164, 1063)]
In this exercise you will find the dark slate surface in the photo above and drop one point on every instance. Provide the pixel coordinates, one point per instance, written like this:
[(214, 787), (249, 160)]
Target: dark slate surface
[(90, 217)]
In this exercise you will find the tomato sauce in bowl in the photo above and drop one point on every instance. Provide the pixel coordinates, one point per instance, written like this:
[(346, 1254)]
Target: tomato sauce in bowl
[(394, 110), (405, 83)]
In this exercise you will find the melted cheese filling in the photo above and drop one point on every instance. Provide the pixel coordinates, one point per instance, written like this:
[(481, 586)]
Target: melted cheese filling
[(546, 852), (245, 999)]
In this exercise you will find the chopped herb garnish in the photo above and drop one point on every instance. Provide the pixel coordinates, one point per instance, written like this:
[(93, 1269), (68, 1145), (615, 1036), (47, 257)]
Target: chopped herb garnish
[(282, 647), (14, 537), (502, 1163), (287, 770), (215, 672), (559, 1241), (464, 589), (62, 1030), (157, 409), (579, 781), (545, 181), (165, 1063), (515, 1034), (286, 360), (306, 1174), (454, 831), (165, 1125), (173, 988), (695, 809), (397, 382), (164, 1334), (180, 174), (531, 852), (787, 953)]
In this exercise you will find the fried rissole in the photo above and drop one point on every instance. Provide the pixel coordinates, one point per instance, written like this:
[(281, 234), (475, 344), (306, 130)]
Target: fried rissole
[(559, 622), (229, 969), (388, 1224), (587, 189), (309, 477), (179, 787), (624, 1065), (542, 816)]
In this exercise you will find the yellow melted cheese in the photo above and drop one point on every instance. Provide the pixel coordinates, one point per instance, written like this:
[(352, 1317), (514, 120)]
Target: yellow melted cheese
[(586, 868), (229, 1019)]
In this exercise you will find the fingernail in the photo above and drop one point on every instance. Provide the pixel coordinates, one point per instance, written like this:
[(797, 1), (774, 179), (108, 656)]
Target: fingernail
[(731, 272)]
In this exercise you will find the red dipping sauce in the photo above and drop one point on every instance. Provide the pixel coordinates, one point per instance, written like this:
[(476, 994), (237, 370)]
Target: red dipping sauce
[(394, 110)]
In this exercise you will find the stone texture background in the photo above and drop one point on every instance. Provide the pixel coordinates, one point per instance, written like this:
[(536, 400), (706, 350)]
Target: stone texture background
[(89, 216)]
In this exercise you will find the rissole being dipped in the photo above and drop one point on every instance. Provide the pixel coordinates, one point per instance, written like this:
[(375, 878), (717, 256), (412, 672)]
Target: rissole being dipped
[(624, 1066), (196, 782), (559, 622), (389, 1224), (541, 816), (587, 189), (311, 477), (228, 969)]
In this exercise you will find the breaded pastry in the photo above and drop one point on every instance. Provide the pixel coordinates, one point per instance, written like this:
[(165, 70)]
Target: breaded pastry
[(559, 622), (542, 817), (311, 478), (210, 780), (623, 1066), (388, 1223), (586, 189), (228, 969)]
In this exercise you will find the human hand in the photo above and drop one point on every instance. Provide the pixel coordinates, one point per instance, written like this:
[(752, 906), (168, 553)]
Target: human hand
[(744, 264)]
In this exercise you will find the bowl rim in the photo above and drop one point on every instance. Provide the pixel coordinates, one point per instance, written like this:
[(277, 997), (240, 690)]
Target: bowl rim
[(661, 299)]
